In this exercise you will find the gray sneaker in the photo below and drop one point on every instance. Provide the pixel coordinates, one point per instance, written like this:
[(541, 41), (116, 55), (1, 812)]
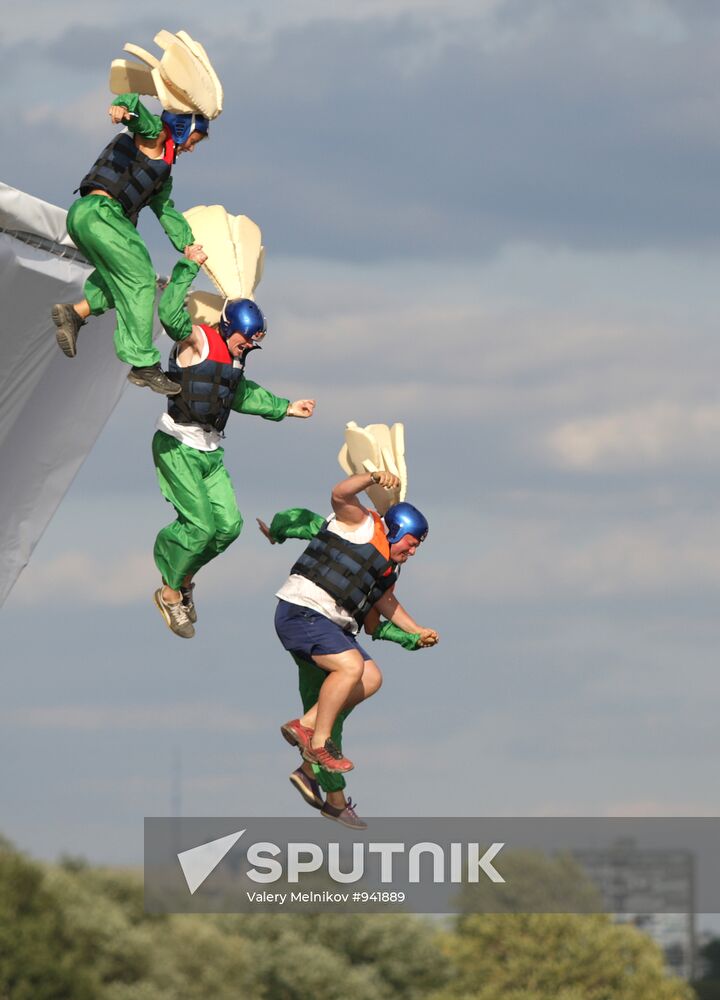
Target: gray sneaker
[(175, 616), (347, 816), (154, 378), (188, 602), (68, 324), (308, 788)]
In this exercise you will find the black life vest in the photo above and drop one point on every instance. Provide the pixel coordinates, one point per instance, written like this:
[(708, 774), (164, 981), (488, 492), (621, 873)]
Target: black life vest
[(208, 388), (127, 174), (355, 575)]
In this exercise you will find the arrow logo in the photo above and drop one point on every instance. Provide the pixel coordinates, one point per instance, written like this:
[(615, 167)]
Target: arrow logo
[(198, 863)]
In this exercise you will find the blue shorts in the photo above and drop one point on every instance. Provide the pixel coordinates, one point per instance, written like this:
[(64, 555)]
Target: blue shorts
[(307, 633)]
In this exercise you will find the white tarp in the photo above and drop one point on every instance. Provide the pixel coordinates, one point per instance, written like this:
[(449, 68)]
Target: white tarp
[(52, 408)]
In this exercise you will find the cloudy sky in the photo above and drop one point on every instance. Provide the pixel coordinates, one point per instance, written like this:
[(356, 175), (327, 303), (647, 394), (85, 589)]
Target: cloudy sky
[(496, 221)]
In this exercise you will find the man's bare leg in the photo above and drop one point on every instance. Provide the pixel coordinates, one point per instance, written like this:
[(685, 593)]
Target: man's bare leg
[(368, 684)]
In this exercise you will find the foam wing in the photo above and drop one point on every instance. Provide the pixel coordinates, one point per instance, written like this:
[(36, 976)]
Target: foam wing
[(247, 238), (205, 308), (128, 77), (376, 448), (183, 78), (233, 244), (147, 57), (187, 76), (397, 437)]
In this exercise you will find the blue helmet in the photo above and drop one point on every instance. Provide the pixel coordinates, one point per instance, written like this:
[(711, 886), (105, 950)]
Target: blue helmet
[(181, 127), (403, 519), (242, 316)]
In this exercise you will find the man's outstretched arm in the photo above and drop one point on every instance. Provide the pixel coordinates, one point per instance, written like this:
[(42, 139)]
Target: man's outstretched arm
[(390, 608)]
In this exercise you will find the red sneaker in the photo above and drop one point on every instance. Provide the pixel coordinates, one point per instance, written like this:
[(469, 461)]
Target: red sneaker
[(296, 734), (328, 757)]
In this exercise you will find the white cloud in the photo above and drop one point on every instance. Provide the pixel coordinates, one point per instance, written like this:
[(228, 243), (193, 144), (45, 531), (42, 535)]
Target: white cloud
[(661, 433)]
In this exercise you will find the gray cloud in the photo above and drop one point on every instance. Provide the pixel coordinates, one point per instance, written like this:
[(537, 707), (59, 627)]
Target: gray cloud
[(391, 137)]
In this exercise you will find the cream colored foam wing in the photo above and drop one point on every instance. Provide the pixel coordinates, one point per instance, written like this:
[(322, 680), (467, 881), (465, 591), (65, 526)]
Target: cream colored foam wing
[(183, 71), (260, 269), (233, 245), (128, 77), (362, 448), (166, 39), (343, 460), (210, 226), (247, 238), (142, 54), (397, 438), (205, 307), (200, 53), (381, 433), (183, 79), (364, 455), (170, 99)]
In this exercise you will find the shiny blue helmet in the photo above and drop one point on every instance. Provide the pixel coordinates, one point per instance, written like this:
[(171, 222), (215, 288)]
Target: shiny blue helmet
[(242, 316), (403, 519), (181, 127)]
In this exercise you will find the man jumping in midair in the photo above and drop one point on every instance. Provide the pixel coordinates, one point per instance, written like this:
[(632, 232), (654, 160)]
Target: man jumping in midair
[(348, 570), (310, 779), (208, 365), (131, 173)]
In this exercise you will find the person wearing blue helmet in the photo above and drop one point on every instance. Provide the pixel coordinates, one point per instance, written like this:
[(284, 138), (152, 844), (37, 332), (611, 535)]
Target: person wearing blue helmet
[(132, 172), (310, 780), (343, 581), (208, 366)]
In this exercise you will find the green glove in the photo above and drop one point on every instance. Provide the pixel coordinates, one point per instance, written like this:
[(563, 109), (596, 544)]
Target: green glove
[(296, 522), (391, 633)]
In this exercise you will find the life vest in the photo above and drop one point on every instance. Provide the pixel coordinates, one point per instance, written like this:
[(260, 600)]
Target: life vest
[(208, 388), (127, 174), (356, 575)]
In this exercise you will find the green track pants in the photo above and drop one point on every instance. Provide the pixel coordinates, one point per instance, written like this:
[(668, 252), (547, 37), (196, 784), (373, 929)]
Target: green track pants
[(196, 483), (311, 679), (124, 277)]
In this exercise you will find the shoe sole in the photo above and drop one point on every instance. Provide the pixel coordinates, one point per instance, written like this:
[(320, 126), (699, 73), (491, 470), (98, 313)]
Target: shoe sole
[(305, 792), (154, 388), (166, 619), (350, 826), (68, 345)]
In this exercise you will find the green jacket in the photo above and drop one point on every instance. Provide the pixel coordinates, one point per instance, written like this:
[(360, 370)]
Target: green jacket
[(149, 126)]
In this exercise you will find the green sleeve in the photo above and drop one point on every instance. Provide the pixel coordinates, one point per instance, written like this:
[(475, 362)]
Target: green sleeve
[(171, 309), (174, 224), (296, 522), (391, 633), (252, 398), (148, 125)]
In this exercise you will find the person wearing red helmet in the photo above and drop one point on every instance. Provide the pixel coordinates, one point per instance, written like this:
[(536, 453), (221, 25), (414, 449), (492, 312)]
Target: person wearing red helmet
[(132, 172), (344, 579), (208, 366)]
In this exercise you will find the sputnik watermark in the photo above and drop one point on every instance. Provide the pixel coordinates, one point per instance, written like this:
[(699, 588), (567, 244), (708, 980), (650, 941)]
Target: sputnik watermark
[(433, 865), (464, 863)]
